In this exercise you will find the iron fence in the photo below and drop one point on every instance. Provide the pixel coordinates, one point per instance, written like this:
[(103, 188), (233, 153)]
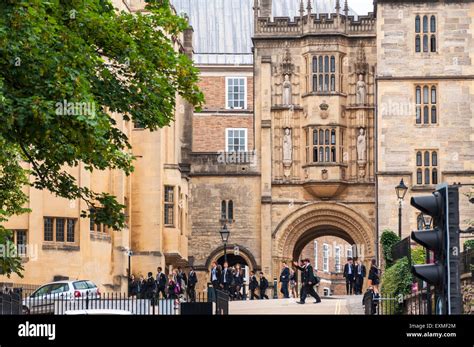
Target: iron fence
[(467, 261), (420, 303), (112, 303)]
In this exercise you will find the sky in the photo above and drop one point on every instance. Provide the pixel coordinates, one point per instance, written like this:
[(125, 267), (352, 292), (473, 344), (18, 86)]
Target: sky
[(362, 6)]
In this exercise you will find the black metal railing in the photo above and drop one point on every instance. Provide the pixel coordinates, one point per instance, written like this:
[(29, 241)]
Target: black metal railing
[(108, 303), (420, 303), (222, 303), (467, 261)]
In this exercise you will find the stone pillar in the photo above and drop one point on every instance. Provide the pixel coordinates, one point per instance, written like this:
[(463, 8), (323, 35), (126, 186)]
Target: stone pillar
[(266, 163), (265, 8)]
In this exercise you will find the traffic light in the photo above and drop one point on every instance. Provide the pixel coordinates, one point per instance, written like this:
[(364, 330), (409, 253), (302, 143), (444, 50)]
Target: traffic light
[(443, 241)]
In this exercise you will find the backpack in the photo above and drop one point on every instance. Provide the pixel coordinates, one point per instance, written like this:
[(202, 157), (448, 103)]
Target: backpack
[(317, 279)]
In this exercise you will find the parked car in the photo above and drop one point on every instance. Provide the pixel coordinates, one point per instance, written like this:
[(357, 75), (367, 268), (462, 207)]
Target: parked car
[(43, 300)]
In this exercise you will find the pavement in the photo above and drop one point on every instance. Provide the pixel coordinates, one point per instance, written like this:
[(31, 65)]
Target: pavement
[(334, 305)]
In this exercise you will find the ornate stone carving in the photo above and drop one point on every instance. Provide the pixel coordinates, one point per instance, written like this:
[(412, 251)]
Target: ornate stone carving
[(287, 91), (287, 66), (362, 152), (287, 148), (324, 175), (361, 65), (361, 91), (324, 107)]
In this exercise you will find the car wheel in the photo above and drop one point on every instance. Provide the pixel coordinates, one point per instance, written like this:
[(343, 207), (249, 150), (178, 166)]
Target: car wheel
[(25, 310)]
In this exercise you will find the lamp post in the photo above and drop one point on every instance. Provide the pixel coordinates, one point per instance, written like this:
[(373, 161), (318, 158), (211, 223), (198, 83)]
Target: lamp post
[(401, 190), (129, 270), (225, 233)]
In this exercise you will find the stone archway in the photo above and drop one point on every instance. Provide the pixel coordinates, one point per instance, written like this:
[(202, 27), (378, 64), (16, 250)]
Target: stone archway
[(245, 254), (316, 219)]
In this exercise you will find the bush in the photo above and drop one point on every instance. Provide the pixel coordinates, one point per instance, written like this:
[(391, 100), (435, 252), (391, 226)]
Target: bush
[(387, 240), (469, 244)]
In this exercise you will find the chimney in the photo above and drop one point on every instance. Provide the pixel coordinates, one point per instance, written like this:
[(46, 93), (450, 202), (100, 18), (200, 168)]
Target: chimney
[(265, 8)]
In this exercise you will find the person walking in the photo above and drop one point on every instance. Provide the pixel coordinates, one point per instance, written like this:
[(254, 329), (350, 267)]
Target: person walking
[(308, 280), (238, 282), (192, 281), (132, 286), (293, 281), (349, 275), (285, 280), (226, 278), (253, 285), (182, 280), (360, 273), (160, 283), (374, 276), (150, 286), (215, 276), (263, 286)]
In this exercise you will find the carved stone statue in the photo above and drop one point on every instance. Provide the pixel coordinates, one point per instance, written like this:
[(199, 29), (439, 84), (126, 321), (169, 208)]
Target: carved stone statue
[(287, 147), (361, 88), (362, 146), (287, 91)]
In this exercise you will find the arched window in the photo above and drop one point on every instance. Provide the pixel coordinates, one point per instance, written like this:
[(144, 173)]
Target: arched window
[(418, 44), (417, 24), (333, 154), (321, 137), (419, 176), (315, 65), (326, 83), (418, 95), (418, 105), (433, 95), (315, 137), (333, 64), (433, 24), (315, 154), (327, 155), (230, 212), (333, 83), (427, 159), (419, 161), (223, 210), (326, 137), (321, 64), (321, 154), (434, 159), (425, 24), (326, 64), (315, 83), (435, 176), (427, 176), (321, 83), (426, 95), (426, 115), (333, 137), (433, 43), (425, 43), (434, 116)]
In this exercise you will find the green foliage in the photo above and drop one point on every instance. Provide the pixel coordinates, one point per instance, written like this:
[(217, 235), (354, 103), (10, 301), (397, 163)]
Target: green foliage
[(469, 244), (418, 255), (75, 52), (387, 240)]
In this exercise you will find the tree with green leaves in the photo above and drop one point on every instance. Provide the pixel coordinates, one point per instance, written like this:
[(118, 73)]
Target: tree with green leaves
[(388, 240), (59, 53)]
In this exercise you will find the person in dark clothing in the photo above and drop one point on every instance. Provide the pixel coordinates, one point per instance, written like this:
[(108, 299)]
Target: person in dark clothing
[(285, 280), (238, 282), (374, 276), (226, 278), (132, 286), (182, 280), (150, 286), (349, 275), (360, 273), (192, 280), (215, 276), (263, 286), (160, 283), (293, 283), (308, 282), (253, 285)]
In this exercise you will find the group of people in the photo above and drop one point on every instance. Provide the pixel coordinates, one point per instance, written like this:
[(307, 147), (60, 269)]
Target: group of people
[(175, 286), (355, 272), (229, 279)]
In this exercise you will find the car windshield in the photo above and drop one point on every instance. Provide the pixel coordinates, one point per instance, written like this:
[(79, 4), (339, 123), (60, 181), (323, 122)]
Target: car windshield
[(59, 288), (81, 285), (42, 291)]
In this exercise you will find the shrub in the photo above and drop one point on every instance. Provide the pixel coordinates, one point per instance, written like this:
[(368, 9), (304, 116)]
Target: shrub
[(387, 240)]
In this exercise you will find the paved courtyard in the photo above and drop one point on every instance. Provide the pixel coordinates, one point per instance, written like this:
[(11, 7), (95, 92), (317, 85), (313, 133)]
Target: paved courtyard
[(336, 305)]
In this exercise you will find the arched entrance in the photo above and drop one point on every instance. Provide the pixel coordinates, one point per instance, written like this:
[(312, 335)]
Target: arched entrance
[(233, 260), (320, 219), (245, 257)]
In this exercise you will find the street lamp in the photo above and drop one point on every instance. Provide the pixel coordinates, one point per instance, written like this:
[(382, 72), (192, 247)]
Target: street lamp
[(129, 270), (225, 233), (401, 190)]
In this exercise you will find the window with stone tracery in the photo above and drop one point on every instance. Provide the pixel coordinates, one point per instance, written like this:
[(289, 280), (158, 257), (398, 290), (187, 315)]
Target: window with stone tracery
[(427, 167), (322, 146), (425, 34), (323, 74), (426, 104)]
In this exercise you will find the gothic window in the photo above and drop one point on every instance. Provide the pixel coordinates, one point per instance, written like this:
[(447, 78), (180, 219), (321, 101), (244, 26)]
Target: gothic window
[(324, 74), (324, 145), (169, 206), (425, 34), (230, 210), (427, 167), (223, 210), (426, 98)]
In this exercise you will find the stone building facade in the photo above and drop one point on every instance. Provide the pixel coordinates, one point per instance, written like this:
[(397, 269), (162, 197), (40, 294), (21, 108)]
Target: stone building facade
[(313, 114)]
